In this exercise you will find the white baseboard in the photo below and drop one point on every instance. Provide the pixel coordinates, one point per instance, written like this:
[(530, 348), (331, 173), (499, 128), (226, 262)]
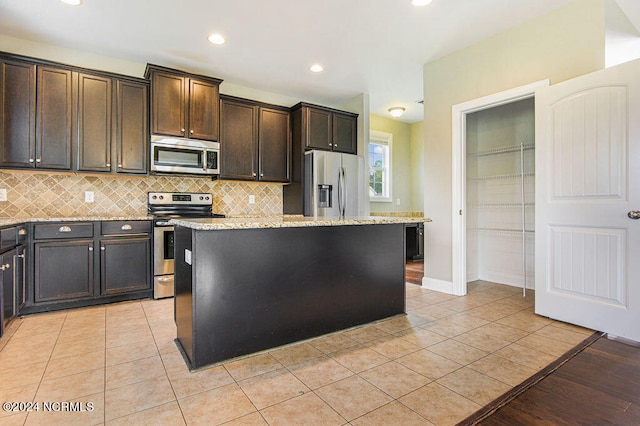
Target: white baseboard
[(437, 285), (507, 279)]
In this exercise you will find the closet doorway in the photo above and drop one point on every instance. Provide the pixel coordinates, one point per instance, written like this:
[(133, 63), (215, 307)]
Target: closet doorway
[(494, 189)]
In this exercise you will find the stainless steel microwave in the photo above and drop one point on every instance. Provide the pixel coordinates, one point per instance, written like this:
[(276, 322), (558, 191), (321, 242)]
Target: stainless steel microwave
[(175, 155)]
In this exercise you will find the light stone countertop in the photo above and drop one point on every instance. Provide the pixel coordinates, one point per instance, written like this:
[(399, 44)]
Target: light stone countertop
[(288, 221), (19, 220)]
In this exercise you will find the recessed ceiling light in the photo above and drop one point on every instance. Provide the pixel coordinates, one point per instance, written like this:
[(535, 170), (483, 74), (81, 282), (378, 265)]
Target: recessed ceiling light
[(420, 2), (316, 68), (72, 2), (216, 39), (396, 111)]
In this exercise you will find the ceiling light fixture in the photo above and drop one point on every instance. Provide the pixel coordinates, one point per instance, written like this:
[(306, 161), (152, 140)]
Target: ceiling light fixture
[(316, 68), (420, 2), (397, 111), (72, 2), (216, 39)]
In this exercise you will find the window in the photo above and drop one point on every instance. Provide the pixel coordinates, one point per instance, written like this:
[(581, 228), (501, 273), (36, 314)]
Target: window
[(380, 166)]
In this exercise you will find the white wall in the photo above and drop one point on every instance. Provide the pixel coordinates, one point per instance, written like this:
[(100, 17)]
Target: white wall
[(563, 44)]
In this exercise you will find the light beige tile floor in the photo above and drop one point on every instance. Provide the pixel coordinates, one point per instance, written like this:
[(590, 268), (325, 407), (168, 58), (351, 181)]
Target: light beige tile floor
[(444, 360)]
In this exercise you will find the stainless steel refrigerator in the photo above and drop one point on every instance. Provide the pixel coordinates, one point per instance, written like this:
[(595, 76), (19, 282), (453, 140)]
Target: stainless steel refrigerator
[(333, 184)]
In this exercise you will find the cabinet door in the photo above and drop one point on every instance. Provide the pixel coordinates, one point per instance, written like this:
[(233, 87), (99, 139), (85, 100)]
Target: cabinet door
[(8, 288), (132, 130), (17, 114), (345, 133), (53, 118), (168, 102), (63, 270), (125, 265), (203, 110), (20, 278), (274, 145), (238, 140), (93, 132), (318, 129)]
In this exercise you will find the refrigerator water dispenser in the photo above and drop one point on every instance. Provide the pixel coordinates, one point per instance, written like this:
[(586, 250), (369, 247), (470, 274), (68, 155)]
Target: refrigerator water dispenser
[(324, 196)]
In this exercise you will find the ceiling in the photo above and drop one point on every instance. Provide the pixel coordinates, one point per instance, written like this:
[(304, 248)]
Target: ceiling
[(365, 46)]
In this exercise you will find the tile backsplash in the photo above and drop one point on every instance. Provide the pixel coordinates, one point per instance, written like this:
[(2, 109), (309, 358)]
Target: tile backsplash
[(42, 194)]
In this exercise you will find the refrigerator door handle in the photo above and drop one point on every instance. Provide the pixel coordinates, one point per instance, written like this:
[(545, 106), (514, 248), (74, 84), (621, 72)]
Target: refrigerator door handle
[(344, 191), (340, 191)]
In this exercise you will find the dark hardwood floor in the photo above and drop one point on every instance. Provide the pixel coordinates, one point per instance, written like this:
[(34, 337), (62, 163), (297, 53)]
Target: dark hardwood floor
[(415, 271), (600, 385)]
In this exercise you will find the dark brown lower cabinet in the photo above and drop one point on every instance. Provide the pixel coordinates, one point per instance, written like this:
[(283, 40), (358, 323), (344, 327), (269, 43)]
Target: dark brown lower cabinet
[(8, 286), (125, 265), (75, 264), (63, 270)]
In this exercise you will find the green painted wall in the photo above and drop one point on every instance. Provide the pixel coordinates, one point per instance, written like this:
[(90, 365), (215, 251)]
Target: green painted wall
[(561, 45)]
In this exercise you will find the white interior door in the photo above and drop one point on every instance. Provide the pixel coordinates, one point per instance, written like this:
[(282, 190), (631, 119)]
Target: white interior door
[(588, 179)]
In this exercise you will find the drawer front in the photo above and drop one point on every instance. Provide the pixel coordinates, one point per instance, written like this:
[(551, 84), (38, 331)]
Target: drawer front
[(122, 227), (63, 230), (22, 234), (7, 238)]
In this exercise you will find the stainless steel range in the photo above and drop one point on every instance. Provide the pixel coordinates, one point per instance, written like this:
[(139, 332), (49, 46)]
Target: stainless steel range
[(165, 206)]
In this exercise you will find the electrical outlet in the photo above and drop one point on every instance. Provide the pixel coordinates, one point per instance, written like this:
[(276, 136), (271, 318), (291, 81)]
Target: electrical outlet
[(398, 202), (88, 196), (3, 194), (252, 199)]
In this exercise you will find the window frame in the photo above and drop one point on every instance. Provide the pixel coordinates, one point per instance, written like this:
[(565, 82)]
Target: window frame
[(382, 138)]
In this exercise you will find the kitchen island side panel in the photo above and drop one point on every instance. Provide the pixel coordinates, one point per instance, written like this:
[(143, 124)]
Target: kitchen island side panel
[(183, 299), (256, 289)]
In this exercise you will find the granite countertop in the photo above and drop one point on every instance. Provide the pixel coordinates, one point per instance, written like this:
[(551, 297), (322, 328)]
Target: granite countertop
[(19, 220), (288, 221)]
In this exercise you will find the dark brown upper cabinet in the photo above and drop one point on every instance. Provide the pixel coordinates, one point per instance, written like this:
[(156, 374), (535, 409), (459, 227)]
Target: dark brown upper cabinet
[(131, 127), (182, 104), (54, 106), (17, 119), (238, 139), (327, 128), (274, 145), (66, 118), (111, 131), (345, 132), (93, 125), (255, 142)]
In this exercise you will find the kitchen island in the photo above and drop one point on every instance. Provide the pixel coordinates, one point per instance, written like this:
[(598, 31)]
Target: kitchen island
[(248, 284)]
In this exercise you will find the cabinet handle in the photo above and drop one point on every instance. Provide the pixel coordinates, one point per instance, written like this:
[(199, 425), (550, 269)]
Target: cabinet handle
[(90, 248), (254, 174), (126, 227), (108, 165), (182, 130), (38, 160), (21, 256), (330, 144), (261, 174), (31, 160), (22, 231), (191, 131), (5, 267), (64, 229), (120, 166), (102, 248)]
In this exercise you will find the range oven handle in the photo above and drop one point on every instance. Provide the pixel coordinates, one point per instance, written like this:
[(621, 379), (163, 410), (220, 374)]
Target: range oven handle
[(162, 223)]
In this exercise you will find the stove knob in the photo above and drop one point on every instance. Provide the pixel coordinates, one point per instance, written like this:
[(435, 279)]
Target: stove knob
[(162, 197), (201, 198), (206, 198), (154, 197)]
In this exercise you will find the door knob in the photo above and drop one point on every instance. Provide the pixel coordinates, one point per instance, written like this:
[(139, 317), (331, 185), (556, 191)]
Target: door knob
[(634, 214)]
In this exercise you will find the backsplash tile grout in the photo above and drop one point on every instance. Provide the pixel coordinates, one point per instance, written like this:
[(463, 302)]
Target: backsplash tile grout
[(42, 194)]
